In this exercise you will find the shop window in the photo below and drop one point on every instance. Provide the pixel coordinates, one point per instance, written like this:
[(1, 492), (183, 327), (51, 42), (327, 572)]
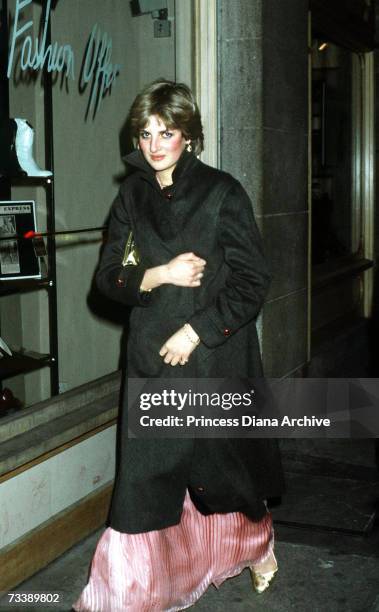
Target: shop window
[(332, 149), (87, 129)]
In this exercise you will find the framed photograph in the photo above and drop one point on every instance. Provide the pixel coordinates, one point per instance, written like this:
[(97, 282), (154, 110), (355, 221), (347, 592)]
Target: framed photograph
[(18, 258)]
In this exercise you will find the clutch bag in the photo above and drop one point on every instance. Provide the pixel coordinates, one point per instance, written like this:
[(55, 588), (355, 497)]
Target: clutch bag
[(131, 254)]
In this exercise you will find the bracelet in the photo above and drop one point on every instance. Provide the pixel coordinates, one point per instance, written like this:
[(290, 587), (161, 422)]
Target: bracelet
[(188, 332)]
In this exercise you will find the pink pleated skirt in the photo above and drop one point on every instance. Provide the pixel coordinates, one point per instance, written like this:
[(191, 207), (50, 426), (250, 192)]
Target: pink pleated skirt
[(169, 569)]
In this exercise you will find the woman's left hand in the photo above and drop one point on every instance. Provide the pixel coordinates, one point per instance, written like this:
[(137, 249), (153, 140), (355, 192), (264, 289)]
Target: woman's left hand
[(178, 348)]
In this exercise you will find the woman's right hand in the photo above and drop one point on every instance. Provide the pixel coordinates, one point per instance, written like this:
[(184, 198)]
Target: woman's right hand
[(185, 270)]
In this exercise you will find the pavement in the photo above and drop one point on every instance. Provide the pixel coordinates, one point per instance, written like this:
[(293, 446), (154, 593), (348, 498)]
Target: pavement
[(328, 559)]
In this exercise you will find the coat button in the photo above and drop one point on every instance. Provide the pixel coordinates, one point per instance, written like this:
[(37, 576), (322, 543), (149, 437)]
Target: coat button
[(227, 332), (200, 489), (168, 196), (120, 282)]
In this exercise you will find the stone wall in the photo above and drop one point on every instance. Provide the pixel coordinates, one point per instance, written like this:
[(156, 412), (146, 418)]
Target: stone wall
[(263, 143)]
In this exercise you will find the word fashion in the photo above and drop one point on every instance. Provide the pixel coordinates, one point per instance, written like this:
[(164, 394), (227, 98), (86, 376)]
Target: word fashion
[(36, 55)]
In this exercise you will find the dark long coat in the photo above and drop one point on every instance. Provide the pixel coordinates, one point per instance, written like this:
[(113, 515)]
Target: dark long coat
[(205, 211)]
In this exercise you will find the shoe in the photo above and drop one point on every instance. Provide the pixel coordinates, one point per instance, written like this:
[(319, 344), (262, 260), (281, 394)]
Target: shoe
[(261, 578), (24, 149), (9, 165)]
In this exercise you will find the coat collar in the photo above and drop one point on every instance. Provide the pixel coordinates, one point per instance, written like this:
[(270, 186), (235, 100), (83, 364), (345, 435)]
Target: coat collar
[(185, 163)]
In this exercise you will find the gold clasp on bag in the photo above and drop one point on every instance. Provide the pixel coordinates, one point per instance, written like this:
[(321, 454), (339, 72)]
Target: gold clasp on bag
[(131, 254)]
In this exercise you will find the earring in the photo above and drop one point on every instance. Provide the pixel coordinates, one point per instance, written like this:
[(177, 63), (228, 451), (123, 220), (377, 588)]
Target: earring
[(189, 147)]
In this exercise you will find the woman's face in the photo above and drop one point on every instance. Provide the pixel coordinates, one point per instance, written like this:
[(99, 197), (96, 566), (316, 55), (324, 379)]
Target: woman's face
[(161, 146)]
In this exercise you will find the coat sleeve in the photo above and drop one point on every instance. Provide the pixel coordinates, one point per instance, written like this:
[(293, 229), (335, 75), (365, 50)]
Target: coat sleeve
[(117, 282), (241, 298)]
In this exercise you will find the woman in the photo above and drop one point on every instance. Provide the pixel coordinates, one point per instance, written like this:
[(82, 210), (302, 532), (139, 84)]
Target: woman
[(185, 512)]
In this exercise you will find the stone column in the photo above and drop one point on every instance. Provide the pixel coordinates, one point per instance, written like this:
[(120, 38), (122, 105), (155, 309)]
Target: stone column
[(263, 106)]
